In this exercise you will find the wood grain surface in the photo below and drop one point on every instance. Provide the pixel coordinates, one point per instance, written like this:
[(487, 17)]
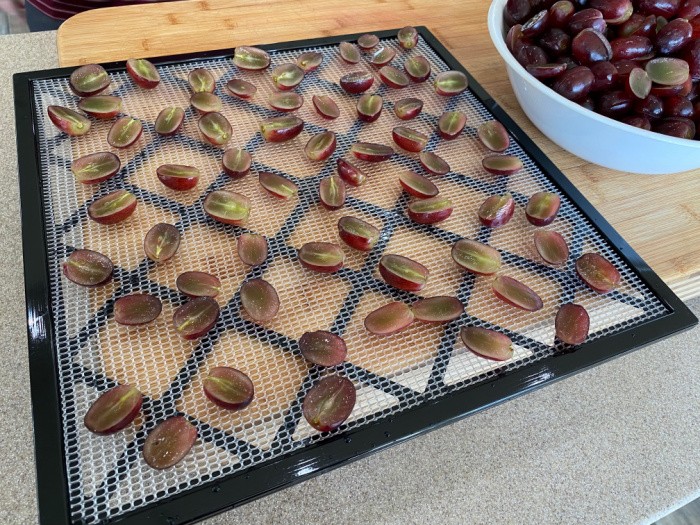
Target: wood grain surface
[(658, 215)]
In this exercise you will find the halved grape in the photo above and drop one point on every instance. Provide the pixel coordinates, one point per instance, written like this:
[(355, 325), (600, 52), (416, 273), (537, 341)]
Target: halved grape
[(227, 207), (393, 77), (178, 177), (417, 67), (493, 135), (198, 284), (228, 388), (287, 76), (69, 121), (516, 293), (114, 410), (403, 273), (487, 343), (433, 163), (350, 173), (113, 207), (309, 61), (88, 268), (439, 309), (408, 108), (572, 324), (124, 132), (201, 81), (260, 300), (331, 192), (89, 80), (430, 211), (323, 348), (370, 152), (369, 107), (215, 128), (408, 37), (552, 247), (639, 83), (143, 73), (323, 257), (502, 164), (476, 257), (241, 88), (169, 442), (597, 272), (349, 52), (367, 41), (277, 185), (357, 233), (668, 71), (326, 106), (542, 208), (382, 56), (496, 210), (137, 309), (252, 248), (251, 58), (450, 83), (95, 167), (195, 318), (205, 102), (285, 101), (451, 124), (101, 106), (409, 139), (161, 242), (389, 319), (329, 403), (169, 120), (356, 82), (320, 146), (280, 129), (236, 162), (417, 185)]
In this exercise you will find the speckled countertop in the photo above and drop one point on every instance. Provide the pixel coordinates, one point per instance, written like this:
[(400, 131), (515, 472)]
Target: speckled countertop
[(616, 444)]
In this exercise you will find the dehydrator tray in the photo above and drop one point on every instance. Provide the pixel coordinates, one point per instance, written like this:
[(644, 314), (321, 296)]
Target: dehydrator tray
[(407, 383)]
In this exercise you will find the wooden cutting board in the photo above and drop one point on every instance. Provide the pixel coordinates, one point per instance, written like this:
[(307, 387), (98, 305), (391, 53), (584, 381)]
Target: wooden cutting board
[(658, 215)]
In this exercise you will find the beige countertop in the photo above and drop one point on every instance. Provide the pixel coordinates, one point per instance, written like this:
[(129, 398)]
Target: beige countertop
[(615, 444)]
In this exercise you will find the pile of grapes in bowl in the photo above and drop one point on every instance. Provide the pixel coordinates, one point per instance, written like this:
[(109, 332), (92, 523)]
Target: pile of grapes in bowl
[(616, 82)]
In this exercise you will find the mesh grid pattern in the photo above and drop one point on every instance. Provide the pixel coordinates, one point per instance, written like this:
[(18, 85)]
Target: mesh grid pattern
[(107, 475)]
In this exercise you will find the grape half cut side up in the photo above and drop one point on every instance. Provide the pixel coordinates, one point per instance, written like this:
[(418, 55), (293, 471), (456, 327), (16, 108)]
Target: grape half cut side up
[(95, 167), (169, 442), (113, 207), (161, 242), (259, 299), (114, 410), (195, 318), (88, 268), (143, 73), (227, 207), (439, 309), (389, 319), (323, 257), (70, 122), (403, 273), (228, 388), (329, 403), (487, 343)]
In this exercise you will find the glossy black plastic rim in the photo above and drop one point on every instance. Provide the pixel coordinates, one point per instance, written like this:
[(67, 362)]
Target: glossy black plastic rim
[(236, 489)]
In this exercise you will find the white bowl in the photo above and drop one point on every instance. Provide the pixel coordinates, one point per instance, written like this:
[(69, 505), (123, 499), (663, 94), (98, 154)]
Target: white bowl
[(595, 138)]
